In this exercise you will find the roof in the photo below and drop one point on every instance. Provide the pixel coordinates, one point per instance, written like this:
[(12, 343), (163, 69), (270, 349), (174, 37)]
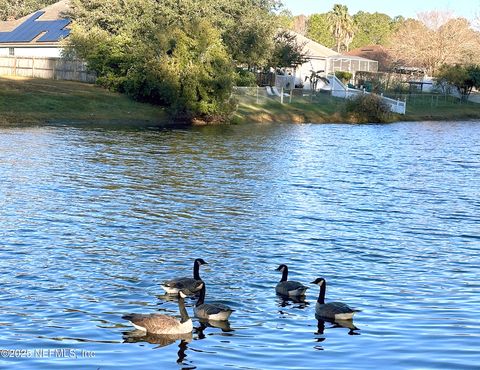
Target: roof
[(312, 48), (375, 52), (46, 26)]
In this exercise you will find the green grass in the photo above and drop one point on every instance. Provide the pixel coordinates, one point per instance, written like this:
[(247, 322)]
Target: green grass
[(321, 108), (324, 108), (440, 107), (40, 100)]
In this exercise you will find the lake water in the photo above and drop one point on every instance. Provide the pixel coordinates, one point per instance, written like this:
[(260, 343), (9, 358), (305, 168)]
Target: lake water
[(93, 219)]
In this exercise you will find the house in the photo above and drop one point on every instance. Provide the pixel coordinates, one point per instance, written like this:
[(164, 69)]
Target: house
[(321, 58), (39, 34)]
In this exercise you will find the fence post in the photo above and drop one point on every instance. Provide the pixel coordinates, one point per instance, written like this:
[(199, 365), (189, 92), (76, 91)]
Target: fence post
[(281, 95), (257, 94), (291, 93)]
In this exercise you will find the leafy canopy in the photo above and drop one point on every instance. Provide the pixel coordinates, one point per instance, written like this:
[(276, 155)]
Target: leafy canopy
[(180, 54), (14, 9), (464, 78)]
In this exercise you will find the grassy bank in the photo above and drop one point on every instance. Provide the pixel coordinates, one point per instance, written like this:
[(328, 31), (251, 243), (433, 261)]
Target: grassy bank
[(324, 108), (38, 101)]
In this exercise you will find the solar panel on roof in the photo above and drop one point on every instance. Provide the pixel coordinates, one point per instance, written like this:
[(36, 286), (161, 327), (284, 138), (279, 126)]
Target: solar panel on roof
[(31, 28)]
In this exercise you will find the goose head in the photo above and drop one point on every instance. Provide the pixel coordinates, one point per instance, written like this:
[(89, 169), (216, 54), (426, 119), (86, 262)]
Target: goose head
[(319, 281), (200, 262), (281, 268)]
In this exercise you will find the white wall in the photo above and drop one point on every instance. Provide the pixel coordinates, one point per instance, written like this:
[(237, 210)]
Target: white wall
[(305, 70), (47, 52)]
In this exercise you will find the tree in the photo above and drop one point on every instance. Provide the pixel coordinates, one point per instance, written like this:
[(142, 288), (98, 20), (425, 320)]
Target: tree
[(436, 38), (14, 9), (372, 29), (314, 79), (287, 51), (299, 24), (342, 27), (318, 29), (180, 54), (464, 78), (247, 27), (285, 19)]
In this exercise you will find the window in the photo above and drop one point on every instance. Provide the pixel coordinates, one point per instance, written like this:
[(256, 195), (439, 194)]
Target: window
[(11, 51)]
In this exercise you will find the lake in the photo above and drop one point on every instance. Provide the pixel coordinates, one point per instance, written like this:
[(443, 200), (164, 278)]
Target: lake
[(93, 219)]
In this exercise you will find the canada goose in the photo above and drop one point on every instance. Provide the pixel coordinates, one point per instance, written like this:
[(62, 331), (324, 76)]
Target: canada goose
[(331, 310), (290, 288), (174, 285), (211, 311), (163, 324)]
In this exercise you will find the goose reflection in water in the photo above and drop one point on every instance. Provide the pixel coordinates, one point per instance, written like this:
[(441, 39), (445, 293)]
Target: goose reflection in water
[(224, 326), (162, 340), (348, 324), (138, 336), (295, 301)]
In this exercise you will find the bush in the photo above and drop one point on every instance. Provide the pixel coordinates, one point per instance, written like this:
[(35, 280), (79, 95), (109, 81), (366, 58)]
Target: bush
[(344, 76), (245, 78), (186, 69), (368, 108)]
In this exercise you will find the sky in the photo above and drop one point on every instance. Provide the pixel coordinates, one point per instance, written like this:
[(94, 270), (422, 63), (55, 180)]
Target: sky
[(408, 8)]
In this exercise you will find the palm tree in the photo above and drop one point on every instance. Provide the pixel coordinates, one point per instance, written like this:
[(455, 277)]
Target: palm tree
[(342, 26)]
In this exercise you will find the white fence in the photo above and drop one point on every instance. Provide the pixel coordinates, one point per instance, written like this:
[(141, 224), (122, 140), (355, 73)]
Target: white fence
[(52, 68)]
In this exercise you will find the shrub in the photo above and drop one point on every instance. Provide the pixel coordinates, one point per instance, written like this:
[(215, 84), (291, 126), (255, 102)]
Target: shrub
[(368, 108), (344, 76), (245, 78)]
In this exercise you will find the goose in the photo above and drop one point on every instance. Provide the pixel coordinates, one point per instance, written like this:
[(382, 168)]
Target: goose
[(174, 285), (163, 324), (331, 310), (211, 311), (290, 288)]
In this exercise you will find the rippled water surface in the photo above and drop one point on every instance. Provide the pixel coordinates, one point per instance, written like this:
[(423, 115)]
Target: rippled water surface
[(92, 220)]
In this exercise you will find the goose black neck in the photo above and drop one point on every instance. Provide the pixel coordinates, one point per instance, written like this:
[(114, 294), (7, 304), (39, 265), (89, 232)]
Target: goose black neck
[(183, 311), (201, 297), (321, 295), (285, 274), (196, 271)]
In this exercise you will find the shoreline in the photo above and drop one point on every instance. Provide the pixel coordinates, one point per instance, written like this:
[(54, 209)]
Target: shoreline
[(26, 102)]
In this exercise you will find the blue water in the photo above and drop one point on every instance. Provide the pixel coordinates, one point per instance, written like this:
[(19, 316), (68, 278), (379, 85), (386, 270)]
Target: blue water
[(93, 219)]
